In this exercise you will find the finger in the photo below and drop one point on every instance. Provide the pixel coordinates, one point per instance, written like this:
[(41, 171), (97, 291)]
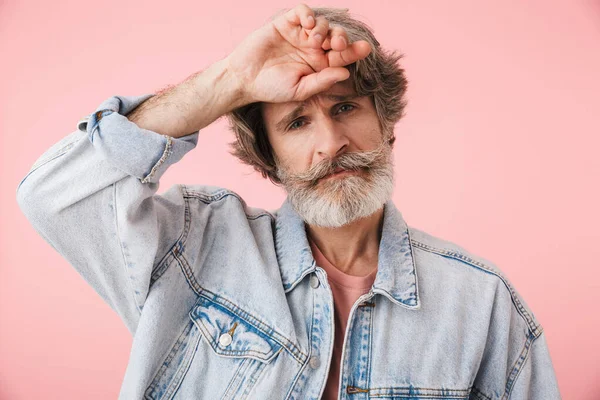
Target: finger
[(337, 39), (354, 52), (320, 81), (318, 34), (326, 44), (301, 15)]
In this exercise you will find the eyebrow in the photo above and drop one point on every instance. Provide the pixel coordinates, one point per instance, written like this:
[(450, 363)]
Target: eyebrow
[(296, 112)]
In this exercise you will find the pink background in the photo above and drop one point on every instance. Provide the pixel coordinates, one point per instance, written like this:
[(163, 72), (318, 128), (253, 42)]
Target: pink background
[(498, 152)]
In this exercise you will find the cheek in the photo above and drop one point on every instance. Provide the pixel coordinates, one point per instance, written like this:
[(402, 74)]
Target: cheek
[(294, 153), (366, 137)]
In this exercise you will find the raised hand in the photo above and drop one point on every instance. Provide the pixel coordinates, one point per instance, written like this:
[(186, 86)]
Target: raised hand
[(293, 57)]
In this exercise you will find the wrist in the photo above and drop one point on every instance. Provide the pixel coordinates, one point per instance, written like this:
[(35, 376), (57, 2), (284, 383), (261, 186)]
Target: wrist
[(229, 90)]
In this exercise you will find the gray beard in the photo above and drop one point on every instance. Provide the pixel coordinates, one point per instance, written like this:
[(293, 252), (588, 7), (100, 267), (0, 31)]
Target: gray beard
[(340, 201)]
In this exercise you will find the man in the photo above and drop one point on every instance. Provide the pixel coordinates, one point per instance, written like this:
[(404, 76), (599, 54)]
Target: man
[(332, 294)]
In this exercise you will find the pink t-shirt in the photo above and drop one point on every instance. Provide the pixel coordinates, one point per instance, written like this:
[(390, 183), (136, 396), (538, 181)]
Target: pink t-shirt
[(346, 290)]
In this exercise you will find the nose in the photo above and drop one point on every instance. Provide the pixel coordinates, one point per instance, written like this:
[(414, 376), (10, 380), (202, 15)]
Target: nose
[(331, 139)]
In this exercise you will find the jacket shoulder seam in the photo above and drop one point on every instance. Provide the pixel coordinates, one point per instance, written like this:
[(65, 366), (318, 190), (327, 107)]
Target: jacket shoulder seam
[(220, 194), (534, 327), (518, 365)]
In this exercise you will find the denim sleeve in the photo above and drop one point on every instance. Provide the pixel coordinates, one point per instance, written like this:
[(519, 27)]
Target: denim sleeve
[(92, 197), (537, 379)]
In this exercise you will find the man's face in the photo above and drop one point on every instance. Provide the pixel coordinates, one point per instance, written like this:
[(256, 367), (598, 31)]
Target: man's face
[(332, 158)]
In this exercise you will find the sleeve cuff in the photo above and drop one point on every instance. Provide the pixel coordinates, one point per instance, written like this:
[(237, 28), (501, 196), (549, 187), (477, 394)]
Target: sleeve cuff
[(138, 152)]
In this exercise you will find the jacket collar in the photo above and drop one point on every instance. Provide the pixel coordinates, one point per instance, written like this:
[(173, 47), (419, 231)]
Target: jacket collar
[(396, 275)]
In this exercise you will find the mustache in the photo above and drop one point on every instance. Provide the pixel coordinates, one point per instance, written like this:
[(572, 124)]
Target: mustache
[(354, 161)]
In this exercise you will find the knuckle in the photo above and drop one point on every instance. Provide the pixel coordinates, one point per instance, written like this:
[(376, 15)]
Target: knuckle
[(322, 24), (338, 30), (304, 8)]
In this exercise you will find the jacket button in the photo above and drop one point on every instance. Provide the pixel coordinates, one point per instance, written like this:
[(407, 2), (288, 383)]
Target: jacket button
[(314, 282), (225, 339), (314, 362)]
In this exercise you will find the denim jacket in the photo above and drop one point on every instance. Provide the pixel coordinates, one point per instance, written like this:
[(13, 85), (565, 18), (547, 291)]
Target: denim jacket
[(225, 301)]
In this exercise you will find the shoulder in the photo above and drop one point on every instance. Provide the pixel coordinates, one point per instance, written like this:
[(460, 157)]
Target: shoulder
[(219, 200), (443, 259), (440, 247)]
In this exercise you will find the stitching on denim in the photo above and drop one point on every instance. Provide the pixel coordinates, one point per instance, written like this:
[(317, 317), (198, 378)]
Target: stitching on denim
[(478, 394), (163, 366), (60, 152), (168, 258), (231, 307), (214, 344), (44, 160), (346, 354), (424, 393), (184, 367), (518, 366), (253, 378), (309, 270), (181, 339), (388, 294), (236, 381), (414, 262), (179, 257), (535, 329), (166, 153), (310, 340), (125, 262), (211, 198), (237, 314), (319, 329), (293, 387), (370, 347)]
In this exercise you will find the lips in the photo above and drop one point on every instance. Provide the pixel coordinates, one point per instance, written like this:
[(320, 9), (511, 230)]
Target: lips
[(339, 171)]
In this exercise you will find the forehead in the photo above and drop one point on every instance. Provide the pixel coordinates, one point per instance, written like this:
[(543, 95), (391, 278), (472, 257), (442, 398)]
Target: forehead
[(273, 112)]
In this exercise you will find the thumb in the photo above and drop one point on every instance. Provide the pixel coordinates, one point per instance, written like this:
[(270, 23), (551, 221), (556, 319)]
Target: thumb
[(320, 81)]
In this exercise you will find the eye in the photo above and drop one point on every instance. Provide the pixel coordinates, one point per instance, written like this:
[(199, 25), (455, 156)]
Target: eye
[(346, 105), (294, 125)]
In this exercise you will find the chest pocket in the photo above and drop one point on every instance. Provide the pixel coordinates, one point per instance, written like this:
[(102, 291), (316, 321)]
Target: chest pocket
[(230, 335), (217, 346)]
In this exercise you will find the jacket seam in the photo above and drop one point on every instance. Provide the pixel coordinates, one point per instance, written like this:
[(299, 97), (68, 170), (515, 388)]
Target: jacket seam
[(518, 366), (423, 392), (62, 151), (293, 388), (166, 153), (249, 318), (208, 198), (131, 288), (478, 394), (163, 265), (535, 329), (43, 161)]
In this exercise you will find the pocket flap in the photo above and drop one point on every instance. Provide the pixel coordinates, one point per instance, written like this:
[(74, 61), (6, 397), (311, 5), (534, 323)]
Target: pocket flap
[(231, 336)]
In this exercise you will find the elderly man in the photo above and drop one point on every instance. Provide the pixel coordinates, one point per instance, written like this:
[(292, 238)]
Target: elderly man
[(332, 295)]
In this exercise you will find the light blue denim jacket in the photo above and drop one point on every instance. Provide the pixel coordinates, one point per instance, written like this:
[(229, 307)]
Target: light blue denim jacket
[(225, 301)]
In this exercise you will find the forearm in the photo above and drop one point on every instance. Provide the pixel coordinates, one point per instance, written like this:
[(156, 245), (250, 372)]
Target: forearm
[(193, 104)]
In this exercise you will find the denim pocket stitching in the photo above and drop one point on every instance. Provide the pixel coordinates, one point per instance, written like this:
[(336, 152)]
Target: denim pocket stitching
[(266, 357), (187, 342)]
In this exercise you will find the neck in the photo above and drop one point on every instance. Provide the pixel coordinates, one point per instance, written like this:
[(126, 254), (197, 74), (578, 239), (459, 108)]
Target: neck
[(352, 248)]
